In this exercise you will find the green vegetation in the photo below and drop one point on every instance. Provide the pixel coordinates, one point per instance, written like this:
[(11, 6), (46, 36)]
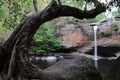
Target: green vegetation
[(114, 27), (118, 11), (13, 12), (4, 34), (44, 39), (15, 63)]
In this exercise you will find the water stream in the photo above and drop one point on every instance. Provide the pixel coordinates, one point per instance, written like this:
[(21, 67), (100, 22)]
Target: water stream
[(95, 46)]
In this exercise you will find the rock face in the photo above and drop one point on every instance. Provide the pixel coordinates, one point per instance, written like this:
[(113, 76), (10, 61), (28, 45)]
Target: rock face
[(77, 68), (114, 73), (107, 47)]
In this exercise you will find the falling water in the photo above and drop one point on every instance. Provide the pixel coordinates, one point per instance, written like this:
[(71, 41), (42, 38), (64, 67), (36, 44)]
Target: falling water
[(95, 46)]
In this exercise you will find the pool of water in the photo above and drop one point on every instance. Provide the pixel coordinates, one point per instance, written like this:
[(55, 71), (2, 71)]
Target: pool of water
[(46, 61), (42, 64)]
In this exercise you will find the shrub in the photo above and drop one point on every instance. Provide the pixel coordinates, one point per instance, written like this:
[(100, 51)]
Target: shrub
[(44, 40), (115, 27)]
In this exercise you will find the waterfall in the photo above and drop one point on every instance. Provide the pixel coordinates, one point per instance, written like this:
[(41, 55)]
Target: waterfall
[(95, 46)]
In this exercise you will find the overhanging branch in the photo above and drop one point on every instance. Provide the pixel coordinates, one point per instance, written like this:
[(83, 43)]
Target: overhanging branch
[(80, 14), (57, 10)]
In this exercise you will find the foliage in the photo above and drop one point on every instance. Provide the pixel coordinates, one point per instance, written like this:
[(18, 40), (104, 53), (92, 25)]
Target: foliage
[(100, 17), (45, 40), (119, 11), (114, 27), (114, 3), (4, 33), (74, 3), (12, 12), (42, 4)]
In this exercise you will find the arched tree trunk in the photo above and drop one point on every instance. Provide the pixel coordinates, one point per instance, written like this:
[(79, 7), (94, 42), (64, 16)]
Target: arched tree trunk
[(14, 63)]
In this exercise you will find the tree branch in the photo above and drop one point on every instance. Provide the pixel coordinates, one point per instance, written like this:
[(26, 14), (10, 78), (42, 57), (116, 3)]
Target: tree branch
[(27, 28), (80, 14), (35, 5), (53, 11), (64, 10)]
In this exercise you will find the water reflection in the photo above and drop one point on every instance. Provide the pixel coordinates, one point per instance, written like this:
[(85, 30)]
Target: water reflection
[(46, 61)]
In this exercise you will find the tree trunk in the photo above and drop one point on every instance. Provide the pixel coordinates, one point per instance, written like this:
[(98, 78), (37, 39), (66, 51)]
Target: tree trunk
[(14, 63)]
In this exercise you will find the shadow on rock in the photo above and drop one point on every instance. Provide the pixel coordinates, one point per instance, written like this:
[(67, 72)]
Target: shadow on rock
[(104, 65), (106, 51), (114, 72)]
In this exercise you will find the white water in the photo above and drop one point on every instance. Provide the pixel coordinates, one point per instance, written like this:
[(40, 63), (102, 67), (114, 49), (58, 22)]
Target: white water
[(95, 46)]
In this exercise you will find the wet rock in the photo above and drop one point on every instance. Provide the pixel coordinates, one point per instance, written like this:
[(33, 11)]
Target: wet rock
[(77, 68)]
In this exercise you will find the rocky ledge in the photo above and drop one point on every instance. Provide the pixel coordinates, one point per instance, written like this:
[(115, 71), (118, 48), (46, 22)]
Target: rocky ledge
[(107, 47)]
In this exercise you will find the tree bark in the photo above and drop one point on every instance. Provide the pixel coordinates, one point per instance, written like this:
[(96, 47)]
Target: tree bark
[(13, 53), (35, 5)]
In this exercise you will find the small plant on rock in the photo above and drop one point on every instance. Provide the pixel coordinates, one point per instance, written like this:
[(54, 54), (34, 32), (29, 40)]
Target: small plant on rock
[(114, 27)]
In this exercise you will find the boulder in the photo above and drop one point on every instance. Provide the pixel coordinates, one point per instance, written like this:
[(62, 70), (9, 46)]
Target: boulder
[(77, 68), (114, 73)]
